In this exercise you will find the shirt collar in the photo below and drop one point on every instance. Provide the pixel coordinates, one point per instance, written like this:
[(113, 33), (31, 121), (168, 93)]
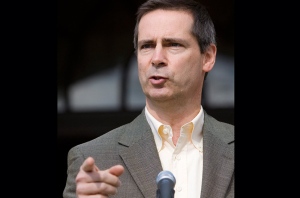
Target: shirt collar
[(197, 124)]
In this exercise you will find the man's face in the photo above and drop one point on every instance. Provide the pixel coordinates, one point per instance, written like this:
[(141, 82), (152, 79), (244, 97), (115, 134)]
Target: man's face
[(169, 59)]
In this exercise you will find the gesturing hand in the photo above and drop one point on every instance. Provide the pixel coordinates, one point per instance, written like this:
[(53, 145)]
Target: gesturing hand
[(95, 183)]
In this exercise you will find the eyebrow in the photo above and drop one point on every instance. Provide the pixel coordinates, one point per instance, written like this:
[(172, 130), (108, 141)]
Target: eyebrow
[(165, 40), (145, 41), (174, 40)]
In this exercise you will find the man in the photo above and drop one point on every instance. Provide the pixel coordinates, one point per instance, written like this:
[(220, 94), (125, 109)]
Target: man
[(175, 47)]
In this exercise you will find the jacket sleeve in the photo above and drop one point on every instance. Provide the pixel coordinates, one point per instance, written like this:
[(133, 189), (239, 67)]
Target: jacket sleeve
[(75, 159)]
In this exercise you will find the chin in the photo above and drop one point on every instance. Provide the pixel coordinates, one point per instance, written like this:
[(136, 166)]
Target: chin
[(159, 94), (159, 97)]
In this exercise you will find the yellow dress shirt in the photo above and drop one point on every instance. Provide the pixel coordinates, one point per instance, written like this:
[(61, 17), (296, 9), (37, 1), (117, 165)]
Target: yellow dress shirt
[(185, 160)]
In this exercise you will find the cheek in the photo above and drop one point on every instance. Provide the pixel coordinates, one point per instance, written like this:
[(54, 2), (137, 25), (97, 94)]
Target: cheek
[(143, 64), (140, 68), (194, 68), (189, 74), (141, 72)]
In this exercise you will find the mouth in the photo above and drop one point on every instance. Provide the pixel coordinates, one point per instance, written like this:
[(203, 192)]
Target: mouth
[(157, 77), (157, 80)]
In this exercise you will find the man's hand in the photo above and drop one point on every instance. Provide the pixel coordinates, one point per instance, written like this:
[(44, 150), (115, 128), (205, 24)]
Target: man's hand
[(95, 183)]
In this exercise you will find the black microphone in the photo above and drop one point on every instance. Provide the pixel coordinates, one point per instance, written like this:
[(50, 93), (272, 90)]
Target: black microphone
[(165, 181)]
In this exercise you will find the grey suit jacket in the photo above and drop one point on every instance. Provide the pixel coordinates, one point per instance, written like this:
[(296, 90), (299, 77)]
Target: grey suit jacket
[(132, 145)]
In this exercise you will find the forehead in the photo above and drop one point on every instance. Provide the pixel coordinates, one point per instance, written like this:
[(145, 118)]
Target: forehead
[(167, 23)]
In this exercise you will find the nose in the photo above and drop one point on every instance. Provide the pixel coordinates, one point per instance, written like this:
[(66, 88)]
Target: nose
[(159, 57)]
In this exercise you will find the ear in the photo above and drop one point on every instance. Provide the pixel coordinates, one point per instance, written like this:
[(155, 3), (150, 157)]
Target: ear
[(209, 58)]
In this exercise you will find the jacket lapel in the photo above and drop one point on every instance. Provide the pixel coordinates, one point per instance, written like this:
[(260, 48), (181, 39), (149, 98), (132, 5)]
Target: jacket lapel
[(218, 160), (138, 150)]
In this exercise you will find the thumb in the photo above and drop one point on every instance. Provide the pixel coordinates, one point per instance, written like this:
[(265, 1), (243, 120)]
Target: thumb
[(116, 170)]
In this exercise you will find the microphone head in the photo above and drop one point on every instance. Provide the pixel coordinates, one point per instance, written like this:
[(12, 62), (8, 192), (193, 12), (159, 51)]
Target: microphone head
[(165, 175)]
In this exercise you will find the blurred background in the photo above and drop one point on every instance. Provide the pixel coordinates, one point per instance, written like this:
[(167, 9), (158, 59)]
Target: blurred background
[(97, 82)]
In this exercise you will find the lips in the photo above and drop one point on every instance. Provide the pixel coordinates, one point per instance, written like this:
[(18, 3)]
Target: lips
[(157, 80)]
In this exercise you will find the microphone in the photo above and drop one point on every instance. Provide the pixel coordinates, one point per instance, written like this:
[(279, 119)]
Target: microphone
[(165, 181)]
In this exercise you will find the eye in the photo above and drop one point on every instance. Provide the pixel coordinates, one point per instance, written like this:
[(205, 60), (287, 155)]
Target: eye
[(175, 45), (146, 46)]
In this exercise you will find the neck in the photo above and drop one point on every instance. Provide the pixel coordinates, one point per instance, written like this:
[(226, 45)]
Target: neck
[(173, 115)]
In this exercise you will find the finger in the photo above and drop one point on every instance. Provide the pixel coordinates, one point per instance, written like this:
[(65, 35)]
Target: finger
[(89, 165), (99, 188), (92, 196), (109, 176), (116, 170)]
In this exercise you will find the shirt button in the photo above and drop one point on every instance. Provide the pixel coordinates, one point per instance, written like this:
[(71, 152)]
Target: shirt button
[(179, 188), (165, 131)]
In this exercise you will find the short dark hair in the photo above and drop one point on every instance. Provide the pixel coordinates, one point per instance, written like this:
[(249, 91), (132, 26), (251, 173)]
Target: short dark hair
[(203, 28)]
